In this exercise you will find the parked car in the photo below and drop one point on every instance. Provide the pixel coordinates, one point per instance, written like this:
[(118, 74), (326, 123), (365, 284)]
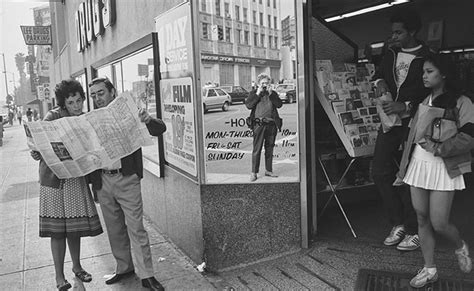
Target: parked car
[(291, 96), (237, 93), (282, 89), (215, 98)]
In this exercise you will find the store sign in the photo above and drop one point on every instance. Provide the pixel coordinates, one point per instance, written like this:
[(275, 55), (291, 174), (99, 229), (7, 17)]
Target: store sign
[(92, 18), (46, 92), (240, 60), (36, 35), (40, 91), (177, 87)]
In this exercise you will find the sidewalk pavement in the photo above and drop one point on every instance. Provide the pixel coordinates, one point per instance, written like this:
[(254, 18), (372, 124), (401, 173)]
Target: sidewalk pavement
[(25, 259)]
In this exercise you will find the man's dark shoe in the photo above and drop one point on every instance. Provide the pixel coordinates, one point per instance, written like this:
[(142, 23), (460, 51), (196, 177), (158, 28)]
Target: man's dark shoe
[(152, 284), (117, 277)]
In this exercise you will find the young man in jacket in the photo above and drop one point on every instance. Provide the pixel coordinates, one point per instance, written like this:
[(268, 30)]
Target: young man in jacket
[(119, 192), (265, 119), (400, 73)]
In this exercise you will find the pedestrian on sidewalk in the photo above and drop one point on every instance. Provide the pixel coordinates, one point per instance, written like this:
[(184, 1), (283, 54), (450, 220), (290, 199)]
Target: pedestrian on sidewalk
[(433, 167), (29, 114), (399, 73), (119, 192), (19, 115), (67, 210)]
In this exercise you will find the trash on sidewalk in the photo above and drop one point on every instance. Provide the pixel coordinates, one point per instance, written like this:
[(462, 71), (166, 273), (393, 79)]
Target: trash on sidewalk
[(202, 267)]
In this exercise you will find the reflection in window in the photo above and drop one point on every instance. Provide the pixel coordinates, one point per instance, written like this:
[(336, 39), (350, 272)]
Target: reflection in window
[(261, 18), (227, 34), (246, 37), (255, 39), (269, 21), (205, 30), (270, 41), (275, 22), (237, 12), (203, 5), (254, 16), (238, 36), (276, 42), (262, 40), (226, 10), (218, 7), (245, 12), (137, 79)]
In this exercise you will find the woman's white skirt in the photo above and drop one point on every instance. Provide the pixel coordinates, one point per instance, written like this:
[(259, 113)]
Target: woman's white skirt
[(429, 172)]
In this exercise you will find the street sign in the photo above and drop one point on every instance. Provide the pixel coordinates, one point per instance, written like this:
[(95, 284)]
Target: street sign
[(36, 35), (40, 90)]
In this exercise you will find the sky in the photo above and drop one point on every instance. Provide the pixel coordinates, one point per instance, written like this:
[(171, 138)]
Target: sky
[(13, 13)]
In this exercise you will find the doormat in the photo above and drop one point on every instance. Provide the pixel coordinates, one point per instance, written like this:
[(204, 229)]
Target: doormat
[(374, 280)]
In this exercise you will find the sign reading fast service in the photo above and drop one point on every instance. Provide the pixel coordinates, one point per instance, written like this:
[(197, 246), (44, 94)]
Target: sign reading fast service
[(177, 86), (92, 18)]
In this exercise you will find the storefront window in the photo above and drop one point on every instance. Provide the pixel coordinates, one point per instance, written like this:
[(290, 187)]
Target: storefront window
[(137, 79), (228, 75), (134, 74)]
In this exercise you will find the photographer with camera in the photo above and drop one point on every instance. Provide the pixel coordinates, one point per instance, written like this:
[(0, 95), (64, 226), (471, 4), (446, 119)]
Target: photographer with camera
[(264, 121)]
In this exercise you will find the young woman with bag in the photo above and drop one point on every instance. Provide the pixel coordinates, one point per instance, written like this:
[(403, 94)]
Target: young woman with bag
[(434, 169)]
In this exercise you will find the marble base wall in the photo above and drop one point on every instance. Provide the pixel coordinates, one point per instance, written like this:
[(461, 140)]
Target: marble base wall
[(248, 222)]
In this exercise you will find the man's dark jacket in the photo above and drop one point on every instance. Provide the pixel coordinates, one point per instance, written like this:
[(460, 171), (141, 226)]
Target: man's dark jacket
[(412, 90), (133, 163)]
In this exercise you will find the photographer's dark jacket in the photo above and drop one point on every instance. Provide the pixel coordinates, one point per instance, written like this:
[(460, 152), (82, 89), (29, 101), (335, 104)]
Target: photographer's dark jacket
[(254, 99)]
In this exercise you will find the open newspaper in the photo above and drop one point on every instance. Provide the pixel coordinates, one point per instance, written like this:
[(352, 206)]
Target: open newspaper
[(75, 146)]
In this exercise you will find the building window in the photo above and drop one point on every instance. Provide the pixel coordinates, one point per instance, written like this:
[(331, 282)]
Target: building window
[(268, 3), (255, 39), (220, 32), (261, 18), (270, 41), (246, 37), (274, 4), (237, 36), (226, 10), (276, 42), (218, 7), (227, 34), (205, 30), (262, 40), (259, 1), (275, 22), (269, 21), (254, 16), (245, 12), (237, 12), (203, 5)]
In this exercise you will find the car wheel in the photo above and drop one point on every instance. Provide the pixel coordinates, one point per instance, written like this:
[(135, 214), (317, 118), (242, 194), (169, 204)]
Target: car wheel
[(225, 107), (205, 109)]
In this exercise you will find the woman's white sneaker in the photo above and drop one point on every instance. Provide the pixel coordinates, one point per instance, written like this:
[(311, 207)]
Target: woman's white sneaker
[(465, 262), (424, 276), (396, 235)]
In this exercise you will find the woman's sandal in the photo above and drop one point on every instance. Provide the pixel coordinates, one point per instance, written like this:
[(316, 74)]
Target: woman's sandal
[(83, 276), (65, 286)]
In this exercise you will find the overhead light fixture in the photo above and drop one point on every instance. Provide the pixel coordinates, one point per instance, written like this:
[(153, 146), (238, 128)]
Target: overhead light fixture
[(377, 45), (461, 50), (366, 10)]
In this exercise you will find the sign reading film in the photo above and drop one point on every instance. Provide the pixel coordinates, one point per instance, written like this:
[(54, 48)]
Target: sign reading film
[(36, 35)]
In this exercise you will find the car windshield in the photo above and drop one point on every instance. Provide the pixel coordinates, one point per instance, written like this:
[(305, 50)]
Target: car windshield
[(220, 92), (281, 88)]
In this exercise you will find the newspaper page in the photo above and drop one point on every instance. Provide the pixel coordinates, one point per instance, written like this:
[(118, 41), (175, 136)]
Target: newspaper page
[(75, 146)]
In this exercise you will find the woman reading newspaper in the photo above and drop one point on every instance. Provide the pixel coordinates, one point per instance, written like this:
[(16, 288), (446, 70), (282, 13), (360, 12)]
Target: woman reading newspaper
[(67, 210), (433, 162)]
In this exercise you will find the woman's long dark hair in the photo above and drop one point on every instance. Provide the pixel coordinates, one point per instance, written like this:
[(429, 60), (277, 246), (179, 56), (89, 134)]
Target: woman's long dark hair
[(452, 90)]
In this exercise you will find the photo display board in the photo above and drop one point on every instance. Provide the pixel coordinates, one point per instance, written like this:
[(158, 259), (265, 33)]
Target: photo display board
[(349, 101)]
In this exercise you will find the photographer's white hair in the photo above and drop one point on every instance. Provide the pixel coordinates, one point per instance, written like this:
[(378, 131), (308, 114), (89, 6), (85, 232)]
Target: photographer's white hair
[(263, 76)]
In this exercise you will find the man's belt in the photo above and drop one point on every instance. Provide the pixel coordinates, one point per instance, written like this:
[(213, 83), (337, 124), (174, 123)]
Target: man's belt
[(112, 172), (262, 121)]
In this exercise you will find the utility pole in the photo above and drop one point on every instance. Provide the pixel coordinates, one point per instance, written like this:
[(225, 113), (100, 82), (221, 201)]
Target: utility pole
[(5, 72)]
